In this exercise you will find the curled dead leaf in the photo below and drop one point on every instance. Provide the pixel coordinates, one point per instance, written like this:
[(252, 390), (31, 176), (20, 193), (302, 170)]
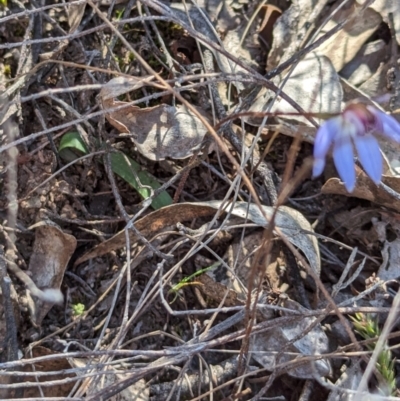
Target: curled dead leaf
[(387, 195), (313, 84), (290, 222), (158, 132), (344, 45), (52, 251)]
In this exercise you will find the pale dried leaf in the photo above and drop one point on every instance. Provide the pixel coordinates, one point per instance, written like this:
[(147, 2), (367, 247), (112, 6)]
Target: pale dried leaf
[(376, 85), (344, 45), (267, 346), (366, 62), (75, 14), (391, 151), (290, 29), (291, 223), (389, 269), (349, 380), (202, 24), (314, 85), (384, 7), (158, 132), (52, 251), (120, 85), (221, 13)]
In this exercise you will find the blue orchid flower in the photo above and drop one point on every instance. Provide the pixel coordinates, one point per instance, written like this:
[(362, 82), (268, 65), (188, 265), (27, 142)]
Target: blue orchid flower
[(356, 128)]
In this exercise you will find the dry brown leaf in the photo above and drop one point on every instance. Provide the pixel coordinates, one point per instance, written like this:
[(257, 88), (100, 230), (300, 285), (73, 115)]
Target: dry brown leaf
[(344, 45), (314, 85), (366, 189), (158, 132), (239, 257), (366, 62), (271, 15), (290, 29), (52, 365), (215, 291), (289, 221), (195, 17), (376, 85), (52, 251), (266, 346), (75, 14), (389, 269), (185, 50), (384, 7)]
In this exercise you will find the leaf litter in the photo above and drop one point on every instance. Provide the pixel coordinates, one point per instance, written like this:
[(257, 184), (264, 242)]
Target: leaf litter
[(138, 81)]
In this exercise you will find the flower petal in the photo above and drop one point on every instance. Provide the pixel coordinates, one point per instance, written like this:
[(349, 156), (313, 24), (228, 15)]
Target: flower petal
[(390, 126), (370, 157), (318, 167), (344, 161), (323, 141)]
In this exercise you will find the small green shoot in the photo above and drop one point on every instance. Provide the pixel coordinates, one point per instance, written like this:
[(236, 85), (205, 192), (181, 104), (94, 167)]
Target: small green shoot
[(368, 328), (119, 14), (72, 146), (78, 309), (186, 280)]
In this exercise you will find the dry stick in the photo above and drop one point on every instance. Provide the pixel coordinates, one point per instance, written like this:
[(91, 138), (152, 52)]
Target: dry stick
[(235, 140), (10, 340), (164, 51), (124, 324), (77, 35), (220, 143), (287, 186), (129, 221), (12, 210), (11, 327), (270, 188), (126, 353), (272, 194), (193, 162), (49, 137)]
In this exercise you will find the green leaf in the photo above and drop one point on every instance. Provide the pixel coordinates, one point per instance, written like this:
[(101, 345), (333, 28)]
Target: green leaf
[(72, 146), (123, 165)]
